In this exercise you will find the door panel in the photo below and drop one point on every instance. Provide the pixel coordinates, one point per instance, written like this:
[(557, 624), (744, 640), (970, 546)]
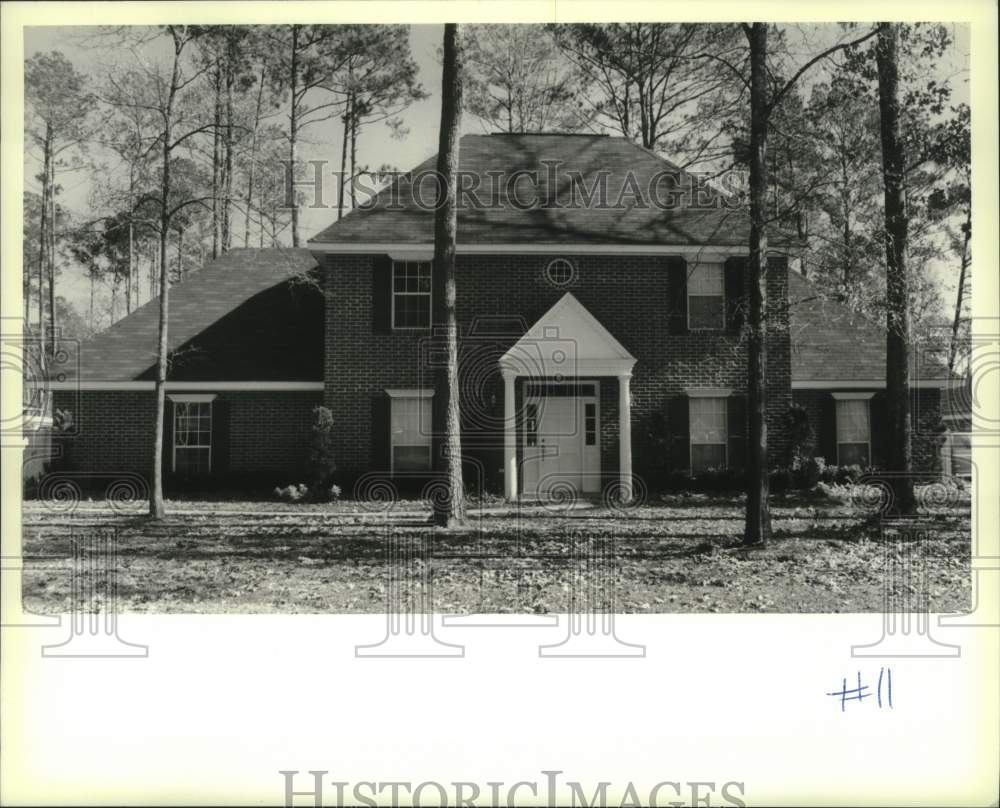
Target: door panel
[(555, 452)]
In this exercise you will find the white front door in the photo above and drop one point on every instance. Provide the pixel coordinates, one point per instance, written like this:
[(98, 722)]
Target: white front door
[(561, 443)]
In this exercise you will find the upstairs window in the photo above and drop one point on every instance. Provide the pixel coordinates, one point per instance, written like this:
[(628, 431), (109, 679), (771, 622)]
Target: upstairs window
[(411, 294), (192, 435), (707, 419), (853, 432), (706, 292)]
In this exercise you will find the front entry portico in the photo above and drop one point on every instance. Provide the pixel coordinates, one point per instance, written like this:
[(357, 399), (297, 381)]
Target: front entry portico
[(560, 419)]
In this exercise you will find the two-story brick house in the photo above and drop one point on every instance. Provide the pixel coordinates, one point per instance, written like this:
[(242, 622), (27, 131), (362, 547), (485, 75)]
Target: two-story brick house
[(600, 297)]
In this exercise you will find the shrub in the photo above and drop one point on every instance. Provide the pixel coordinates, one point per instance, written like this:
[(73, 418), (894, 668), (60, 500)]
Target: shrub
[(712, 481), (801, 441), (303, 493), (62, 421), (292, 493), (780, 480), (322, 465), (842, 475), (807, 471)]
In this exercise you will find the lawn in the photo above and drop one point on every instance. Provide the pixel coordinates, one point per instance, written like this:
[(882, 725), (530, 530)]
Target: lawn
[(678, 554)]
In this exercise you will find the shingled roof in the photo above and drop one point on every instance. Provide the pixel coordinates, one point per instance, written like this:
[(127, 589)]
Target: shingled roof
[(830, 342), (631, 172), (128, 348)]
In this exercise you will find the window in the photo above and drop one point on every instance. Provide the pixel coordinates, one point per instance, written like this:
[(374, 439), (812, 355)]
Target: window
[(411, 433), (590, 424), (853, 432), (560, 272), (192, 435), (706, 298), (411, 294), (531, 424), (707, 418)]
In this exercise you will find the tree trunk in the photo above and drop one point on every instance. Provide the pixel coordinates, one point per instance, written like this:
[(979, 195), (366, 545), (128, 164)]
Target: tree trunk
[(343, 159), (354, 158), (216, 142), (253, 158), (960, 295), (447, 439), (180, 255), (53, 315), (157, 509), (293, 134), (131, 240), (227, 186), (897, 371), (43, 247), (758, 515)]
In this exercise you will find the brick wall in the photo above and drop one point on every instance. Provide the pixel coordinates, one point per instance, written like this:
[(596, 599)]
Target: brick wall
[(925, 410), (627, 294), (268, 432)]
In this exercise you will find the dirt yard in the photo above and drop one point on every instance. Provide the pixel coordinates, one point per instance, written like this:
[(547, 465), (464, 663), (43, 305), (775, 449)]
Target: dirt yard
[(680, 554)]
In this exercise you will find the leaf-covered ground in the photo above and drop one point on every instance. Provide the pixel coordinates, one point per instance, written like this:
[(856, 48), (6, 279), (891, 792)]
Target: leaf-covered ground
[(681, 554)]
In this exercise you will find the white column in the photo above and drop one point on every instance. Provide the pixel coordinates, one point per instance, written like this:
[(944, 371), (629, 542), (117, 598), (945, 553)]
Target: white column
[(509, 437), (625, 435)]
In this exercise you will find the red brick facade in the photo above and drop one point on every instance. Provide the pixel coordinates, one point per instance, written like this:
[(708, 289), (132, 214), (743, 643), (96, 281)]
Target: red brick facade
[(258, 436), (925, 411), (499, 297), (264, 435)]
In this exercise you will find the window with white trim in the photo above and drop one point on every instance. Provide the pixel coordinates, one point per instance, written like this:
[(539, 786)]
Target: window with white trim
[(192, 435), (853, 432), (411, 294), (411, 433), (707, 428), (706, 297)]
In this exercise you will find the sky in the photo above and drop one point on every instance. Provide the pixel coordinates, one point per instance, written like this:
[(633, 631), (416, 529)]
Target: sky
[(377, 146)]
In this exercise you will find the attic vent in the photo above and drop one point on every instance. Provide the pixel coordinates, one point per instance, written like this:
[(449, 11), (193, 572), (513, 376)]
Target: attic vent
[(560, 273)]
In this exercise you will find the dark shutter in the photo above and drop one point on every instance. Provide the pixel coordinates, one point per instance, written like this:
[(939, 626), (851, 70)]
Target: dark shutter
[(381, 427), (735, 294), (736, 427), (382, 294), (879, 422), (677, 424), (826, 437), (677, 295), (168, 437), (220, 436)]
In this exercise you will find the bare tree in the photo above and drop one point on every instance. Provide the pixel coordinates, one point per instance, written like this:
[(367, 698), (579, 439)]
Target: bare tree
[(899, 460), (59, 103), (757, 529), (447, 437), (161, 90)]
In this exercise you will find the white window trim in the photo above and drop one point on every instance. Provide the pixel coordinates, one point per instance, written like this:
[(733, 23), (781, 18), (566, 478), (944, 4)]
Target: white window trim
[(725, 421), (406, 394), (708, 392), (192, 399), (687, 291), (854, 397), (423, 392), (392, 293)]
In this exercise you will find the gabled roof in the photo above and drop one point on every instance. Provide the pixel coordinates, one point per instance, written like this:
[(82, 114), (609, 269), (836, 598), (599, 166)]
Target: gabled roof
[(830, 342), (128, 348), (568, 341), (395, 216)]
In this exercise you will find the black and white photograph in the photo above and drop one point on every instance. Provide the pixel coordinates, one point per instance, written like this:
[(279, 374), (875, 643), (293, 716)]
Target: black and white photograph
[(490, 326)]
